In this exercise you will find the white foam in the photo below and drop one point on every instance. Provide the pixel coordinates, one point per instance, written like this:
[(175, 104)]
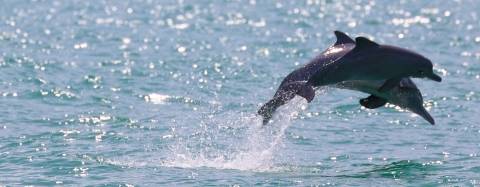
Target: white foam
[(156, 98), (256, 151)]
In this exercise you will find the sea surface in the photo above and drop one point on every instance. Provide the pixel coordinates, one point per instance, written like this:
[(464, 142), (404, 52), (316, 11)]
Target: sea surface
[(165, 93)]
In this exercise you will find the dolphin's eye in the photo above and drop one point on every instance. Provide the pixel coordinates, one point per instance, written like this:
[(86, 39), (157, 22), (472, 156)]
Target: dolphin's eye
[(421, 72)]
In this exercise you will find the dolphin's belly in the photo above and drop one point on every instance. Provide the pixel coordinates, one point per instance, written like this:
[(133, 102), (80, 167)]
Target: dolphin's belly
[(370, 87)]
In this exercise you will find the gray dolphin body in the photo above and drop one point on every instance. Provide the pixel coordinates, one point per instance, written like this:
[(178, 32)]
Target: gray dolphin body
[(347, 60), (405, 95)]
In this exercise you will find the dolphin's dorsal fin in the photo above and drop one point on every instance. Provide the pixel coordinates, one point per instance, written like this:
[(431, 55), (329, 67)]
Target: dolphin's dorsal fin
[(364, 43), (342, 38), (306, 91)]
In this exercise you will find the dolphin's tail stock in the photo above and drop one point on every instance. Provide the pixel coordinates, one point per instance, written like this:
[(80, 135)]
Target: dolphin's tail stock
[(267, 110), (284, 94)]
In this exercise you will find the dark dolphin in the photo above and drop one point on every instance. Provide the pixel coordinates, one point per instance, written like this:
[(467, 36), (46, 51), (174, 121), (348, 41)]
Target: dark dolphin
[(346, 60), (405, 95)]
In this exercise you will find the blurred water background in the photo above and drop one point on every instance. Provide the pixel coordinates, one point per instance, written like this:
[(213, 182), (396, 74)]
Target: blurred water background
[(160, 93)]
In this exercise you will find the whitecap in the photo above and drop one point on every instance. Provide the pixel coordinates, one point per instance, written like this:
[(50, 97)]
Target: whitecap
[(156, 98)]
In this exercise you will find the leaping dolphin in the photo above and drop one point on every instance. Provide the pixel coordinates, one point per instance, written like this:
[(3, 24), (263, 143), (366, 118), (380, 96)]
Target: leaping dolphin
[(405, 95), (346, 60)]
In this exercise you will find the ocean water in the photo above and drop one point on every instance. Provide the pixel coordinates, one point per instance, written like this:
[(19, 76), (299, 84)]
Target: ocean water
[(162, 93)]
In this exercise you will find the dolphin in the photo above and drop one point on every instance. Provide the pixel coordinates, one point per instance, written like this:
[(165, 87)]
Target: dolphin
[(405, 95), (346, 60)]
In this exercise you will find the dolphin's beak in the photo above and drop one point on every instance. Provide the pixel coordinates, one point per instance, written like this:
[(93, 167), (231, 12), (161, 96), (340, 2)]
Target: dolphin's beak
[(425, 115), (434, 77)]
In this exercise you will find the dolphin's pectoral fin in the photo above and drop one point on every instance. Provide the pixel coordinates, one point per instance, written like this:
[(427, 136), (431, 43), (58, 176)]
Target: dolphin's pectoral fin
[(372, 102), (306, 91), (301, 88), (389, 84)]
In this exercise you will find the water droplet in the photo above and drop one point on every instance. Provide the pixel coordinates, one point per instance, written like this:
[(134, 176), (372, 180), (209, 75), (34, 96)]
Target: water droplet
[(181, 49)]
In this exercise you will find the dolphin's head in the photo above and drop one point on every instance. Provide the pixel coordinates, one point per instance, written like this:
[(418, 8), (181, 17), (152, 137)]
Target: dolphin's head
[(410, 97), (415, 65), (424, 68), (396, 61)]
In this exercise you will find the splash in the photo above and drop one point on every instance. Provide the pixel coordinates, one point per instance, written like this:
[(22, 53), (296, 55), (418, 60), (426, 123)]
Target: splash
[(235, 142)]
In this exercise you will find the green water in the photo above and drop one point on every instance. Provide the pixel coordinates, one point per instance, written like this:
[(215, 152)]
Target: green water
[(162, 93)]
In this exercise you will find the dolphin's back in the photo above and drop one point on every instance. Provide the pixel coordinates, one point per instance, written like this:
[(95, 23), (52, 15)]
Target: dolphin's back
[(408, 83), (327, 58)]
